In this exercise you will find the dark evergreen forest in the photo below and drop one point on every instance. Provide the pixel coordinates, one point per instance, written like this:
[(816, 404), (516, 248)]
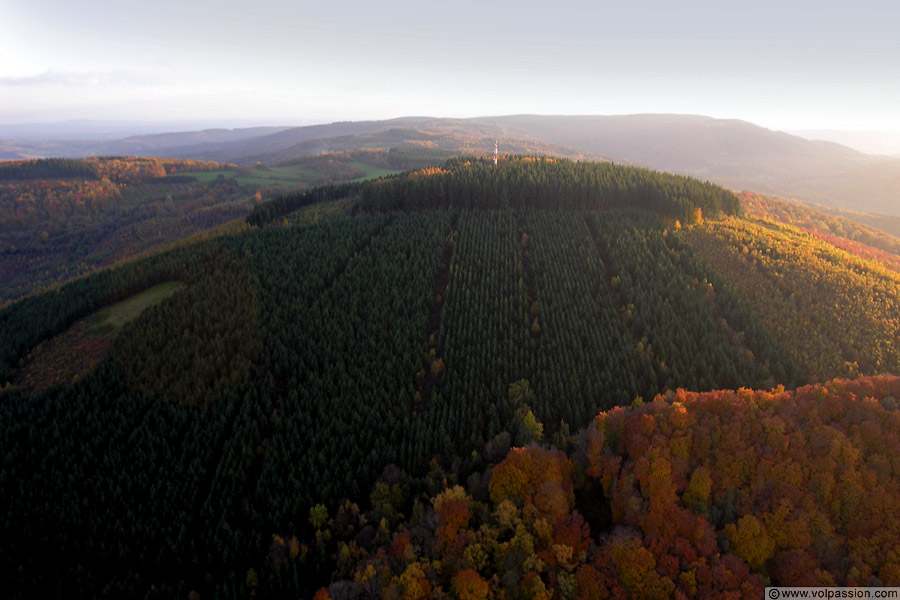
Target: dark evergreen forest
[(521, 182), (295, 363)]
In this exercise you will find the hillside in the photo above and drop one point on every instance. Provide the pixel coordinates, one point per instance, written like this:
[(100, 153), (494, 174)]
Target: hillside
[(779, 271), (704, 496), (63, 218), (60, 219), (406, 342), (868, 236)]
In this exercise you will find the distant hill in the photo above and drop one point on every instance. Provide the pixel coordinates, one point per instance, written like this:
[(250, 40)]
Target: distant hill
[(730, 152), (168, 144), (77, 140), (81, 130), (455, 136), (872, 142)]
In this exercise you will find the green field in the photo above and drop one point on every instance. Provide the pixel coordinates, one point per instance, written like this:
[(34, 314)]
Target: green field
[(114, 317), (287, 176), (207, 175), (371, 171), (288, 173)]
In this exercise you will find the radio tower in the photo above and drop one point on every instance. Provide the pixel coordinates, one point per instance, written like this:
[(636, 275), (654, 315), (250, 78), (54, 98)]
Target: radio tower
[(495, 153)]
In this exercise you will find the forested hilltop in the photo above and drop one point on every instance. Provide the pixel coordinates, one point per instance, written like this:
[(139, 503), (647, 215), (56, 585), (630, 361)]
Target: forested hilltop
[(522, 182), (256, 415)]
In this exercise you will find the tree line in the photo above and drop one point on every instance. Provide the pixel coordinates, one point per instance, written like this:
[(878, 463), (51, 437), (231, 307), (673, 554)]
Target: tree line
[(48, 168), (520, 182)]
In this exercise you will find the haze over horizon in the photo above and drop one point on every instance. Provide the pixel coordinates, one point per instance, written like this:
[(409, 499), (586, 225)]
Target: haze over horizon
[(800, 65)]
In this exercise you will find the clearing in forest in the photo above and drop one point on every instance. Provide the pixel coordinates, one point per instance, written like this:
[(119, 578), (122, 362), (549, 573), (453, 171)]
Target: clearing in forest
[(111, 318), (63, 359)]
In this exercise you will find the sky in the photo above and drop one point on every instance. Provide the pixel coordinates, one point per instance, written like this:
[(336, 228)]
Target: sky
[(780, 64)]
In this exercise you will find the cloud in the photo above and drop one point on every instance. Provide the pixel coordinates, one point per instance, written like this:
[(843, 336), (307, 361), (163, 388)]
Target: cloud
[(75, 79)]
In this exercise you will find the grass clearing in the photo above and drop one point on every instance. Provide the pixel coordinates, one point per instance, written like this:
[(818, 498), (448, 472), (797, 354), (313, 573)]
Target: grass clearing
[(371, 171), (245, 180), (294, 172), (206, 175), (65, 358), (286, 176), (114, 317)]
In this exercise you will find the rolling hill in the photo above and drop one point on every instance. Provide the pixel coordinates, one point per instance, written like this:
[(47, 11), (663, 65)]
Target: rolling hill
[(360, 364), (730, 152), (78, 139), (63, 218)]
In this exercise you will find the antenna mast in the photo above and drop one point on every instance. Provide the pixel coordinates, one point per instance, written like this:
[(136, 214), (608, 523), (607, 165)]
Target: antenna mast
[(495, 153)]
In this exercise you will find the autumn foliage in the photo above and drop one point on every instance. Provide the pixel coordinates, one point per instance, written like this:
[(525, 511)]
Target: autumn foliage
[(470, 585), (712, 495), (853, 236), (533, 476), (836, 313), (800, 486)]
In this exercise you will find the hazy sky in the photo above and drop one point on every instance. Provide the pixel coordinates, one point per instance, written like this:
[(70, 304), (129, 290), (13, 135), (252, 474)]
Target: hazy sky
[(782, 64)]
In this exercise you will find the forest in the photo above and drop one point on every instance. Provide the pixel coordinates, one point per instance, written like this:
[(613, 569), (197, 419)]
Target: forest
[(63, 218), (846, 233), (508, 350), (705, 495), (796, 283), (520, 182)]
